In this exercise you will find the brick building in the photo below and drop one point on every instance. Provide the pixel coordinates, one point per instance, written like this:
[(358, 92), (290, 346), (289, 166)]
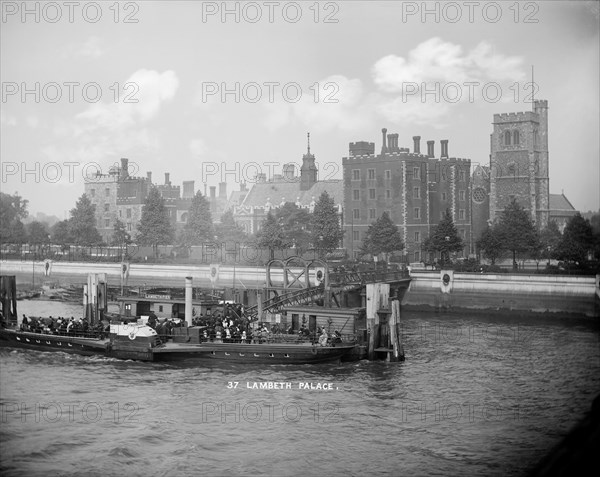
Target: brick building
[(415, 189)]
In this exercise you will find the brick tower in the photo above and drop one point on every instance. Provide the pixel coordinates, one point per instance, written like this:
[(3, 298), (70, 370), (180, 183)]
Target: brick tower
[(519, 162)]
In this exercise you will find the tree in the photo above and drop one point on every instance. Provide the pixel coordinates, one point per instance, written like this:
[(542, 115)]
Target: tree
[(490, 244), (577, 240), (294, 222), (199, 227), (121, 237), (13, 209), (61, 234), (550, 238), (155, 226), (326, 230), (516, 231), (228, 230), (270, 235), (82, 224), (37, 233), (444, 238), (382, 236)]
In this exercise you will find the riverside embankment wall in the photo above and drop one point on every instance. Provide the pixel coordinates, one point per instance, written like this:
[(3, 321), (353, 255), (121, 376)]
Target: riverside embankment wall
[(518, 293)]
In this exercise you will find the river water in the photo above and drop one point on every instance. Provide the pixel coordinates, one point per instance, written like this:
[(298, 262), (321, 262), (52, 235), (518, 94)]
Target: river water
[(477, 395)]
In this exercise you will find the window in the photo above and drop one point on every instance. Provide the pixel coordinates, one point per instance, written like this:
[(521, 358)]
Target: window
[(444, 197), (515, 137), (416, 192), (417, 237), (93, 192), (372, 214), (463, 234), (479, 195), (417, 213), (107, 192), (371, 173), (128, 213), (388, 175), (356, 213), (507, 138), (355, 174), (160, 308), (107, 223), (106, 207), (461, 195), (416, 172), (129, 227), (355, 235), (461, 175), (356, 194), (120, 213), (371, 193), (461, 214), (417, 256), (388, 194)]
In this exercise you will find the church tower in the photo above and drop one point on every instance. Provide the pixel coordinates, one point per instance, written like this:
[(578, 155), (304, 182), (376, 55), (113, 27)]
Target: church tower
[(519, 162), (308, 171)]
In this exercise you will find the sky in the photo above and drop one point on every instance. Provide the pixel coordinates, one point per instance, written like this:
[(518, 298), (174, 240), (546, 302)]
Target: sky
[(218, 91)]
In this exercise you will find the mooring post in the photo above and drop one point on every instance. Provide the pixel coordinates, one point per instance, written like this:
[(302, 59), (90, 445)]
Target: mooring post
[(377, 294), (395, 336), (188, 300)]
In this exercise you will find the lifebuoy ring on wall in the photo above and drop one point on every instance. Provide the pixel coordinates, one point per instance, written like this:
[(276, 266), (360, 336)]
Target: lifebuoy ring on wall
[(132, 335)]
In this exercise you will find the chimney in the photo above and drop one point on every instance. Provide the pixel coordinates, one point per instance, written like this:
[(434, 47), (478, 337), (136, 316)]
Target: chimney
[(124, 168), (222, 190), (417, 144), (392, 142), (149, 176), (167, 181), (188, 190), (444, 153), (430, 152), (288, 172), (384, 148), (213, 192)]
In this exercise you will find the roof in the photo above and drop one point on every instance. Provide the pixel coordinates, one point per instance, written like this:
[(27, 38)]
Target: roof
[(560, 202), (277, 191)]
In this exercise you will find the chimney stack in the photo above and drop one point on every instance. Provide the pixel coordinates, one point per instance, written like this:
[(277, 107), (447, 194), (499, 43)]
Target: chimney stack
[(393, 142), (430, 152), (167, 181), (222, 190), (213, 192), (124, 168), (444, 153), (188, 190), (384, 148), (149, 176), (417, 144)]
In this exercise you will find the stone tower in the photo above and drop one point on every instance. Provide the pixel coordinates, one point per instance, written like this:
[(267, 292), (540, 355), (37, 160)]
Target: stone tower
[(519, 162), (308, 171)]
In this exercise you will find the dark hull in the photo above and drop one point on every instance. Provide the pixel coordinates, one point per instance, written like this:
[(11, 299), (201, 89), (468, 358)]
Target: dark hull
[(45, 342), (253, 353), (271, 353)]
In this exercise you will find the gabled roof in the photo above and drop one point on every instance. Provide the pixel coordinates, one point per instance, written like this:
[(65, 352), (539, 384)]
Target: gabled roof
[(560, 202), (276, 191)]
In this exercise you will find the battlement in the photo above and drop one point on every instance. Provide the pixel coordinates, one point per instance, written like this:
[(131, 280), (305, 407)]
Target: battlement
[(522, 116)]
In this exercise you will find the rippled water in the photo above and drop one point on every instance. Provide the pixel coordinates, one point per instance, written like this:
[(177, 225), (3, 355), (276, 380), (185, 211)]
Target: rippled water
[(476, 396)]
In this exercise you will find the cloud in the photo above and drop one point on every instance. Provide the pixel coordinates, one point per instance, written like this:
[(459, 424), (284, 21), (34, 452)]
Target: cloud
[(91, 48), (435, 60), (143, 95)]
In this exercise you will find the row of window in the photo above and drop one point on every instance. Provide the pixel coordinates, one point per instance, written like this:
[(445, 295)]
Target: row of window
[(416, 213), (388, 174), (416, 235), (107, 225), (416, 194), (107, 192)]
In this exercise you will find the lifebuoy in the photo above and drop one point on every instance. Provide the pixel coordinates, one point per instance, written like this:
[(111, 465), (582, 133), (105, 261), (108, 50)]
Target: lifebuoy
[(446, 279), (132, 335)]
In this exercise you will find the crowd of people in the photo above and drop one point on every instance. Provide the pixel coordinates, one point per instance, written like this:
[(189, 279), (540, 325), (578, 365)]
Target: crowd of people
[(64, 326)]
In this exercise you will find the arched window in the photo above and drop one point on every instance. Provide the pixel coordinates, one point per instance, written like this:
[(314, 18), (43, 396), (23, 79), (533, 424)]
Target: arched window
[(515, 137), (507, 138)]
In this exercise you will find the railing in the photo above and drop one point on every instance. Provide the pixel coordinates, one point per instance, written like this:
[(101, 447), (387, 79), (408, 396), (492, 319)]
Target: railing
[(295, 297)]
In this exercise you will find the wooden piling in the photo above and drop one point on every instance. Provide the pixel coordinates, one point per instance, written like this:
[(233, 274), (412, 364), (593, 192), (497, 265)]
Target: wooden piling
[(395, 336), (377, 297)]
